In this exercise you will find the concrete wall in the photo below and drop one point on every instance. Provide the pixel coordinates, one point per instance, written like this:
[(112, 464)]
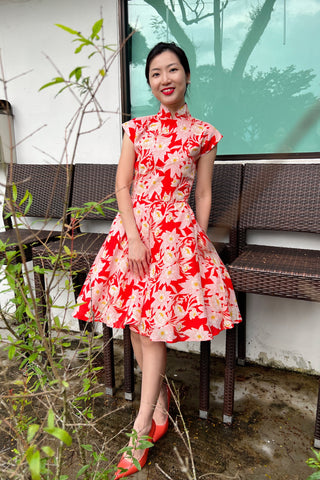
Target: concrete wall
[(280, 332)]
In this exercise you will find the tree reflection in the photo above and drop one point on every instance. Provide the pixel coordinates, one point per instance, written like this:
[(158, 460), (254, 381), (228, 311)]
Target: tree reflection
[(255, 110)]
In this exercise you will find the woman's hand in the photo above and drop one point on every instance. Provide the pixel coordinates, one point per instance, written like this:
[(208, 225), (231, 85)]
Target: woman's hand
[(139, 257)]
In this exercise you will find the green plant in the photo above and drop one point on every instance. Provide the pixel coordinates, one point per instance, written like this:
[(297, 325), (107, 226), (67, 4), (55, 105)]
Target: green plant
[(96, 462), (314, 462), (136, 443), (49, 413)]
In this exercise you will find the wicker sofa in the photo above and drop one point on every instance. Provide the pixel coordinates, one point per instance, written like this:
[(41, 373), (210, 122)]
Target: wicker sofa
[(278, 197)]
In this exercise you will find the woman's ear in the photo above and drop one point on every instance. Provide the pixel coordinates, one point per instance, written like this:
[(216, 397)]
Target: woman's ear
[(188, 79)]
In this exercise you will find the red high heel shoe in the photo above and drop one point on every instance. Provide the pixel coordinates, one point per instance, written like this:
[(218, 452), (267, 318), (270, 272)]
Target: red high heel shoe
[(162, 429), (126, 467)]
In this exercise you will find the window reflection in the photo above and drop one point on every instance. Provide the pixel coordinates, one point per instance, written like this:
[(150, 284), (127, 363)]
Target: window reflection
[(255, 67)]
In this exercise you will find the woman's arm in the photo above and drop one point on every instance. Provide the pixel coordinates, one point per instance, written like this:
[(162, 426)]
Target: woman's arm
[(203, 187), (139, 256)]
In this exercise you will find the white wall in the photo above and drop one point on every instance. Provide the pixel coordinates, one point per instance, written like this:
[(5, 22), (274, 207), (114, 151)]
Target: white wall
[(280, 332), (27, 34)]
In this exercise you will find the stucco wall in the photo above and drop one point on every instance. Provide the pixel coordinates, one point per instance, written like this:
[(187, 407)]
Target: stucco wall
[(27, 35), (280, 332)]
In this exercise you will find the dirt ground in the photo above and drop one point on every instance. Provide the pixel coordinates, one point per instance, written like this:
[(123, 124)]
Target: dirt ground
[(271, 436)]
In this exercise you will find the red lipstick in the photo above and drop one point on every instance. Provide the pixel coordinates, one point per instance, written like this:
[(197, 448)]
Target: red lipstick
[(167, 91)]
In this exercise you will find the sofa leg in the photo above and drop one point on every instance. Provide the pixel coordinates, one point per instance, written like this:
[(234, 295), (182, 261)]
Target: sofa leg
[(128, 365), (317, 426), (108, 360), (229, 376), (204, 378), (241, 330)]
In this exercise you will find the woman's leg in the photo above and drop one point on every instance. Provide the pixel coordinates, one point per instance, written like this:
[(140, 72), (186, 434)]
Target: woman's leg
[(152, 358), (136, 344), (161, 408)]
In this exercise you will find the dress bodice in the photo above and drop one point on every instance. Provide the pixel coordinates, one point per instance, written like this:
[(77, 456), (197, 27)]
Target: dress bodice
[(167, 149)]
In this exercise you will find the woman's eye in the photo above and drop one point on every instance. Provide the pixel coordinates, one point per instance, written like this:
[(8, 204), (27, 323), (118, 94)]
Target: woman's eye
[(173, 69)]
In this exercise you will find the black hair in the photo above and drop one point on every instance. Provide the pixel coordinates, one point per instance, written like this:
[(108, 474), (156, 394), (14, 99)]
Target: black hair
[(163, 47)]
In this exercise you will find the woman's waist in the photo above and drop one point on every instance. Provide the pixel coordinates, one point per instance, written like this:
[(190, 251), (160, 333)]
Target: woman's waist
[(151, 200)]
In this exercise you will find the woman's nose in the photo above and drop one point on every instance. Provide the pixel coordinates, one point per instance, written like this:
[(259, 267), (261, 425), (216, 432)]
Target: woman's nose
[(165, 78)]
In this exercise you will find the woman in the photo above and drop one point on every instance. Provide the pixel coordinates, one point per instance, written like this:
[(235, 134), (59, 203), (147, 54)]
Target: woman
[(157, 271)]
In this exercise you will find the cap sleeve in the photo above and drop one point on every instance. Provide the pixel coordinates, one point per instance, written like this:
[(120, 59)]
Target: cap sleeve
[(130, 129), (210, 138)]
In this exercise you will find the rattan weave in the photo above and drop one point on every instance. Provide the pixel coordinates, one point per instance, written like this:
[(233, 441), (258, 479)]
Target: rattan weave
[(49, 187), (91, 183), (282, 197), (226, 189)]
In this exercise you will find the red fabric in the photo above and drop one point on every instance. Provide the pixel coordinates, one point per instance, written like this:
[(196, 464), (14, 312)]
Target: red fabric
[(187, 294)]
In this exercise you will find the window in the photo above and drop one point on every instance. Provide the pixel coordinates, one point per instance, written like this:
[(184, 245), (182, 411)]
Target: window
[(255, 69)]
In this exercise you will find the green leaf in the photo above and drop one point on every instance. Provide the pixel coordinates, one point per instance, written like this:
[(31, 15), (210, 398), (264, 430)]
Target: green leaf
[(55, 81), (34, 461), (98, 394), (96, 28), (18, 382), (143, 444), (32, 430), (77, 73), (48, 451), (64, 88), (82, 470), (53, 382), (24, 198), (136, 463), (30, 198), (50, 418), (67, 250), (89, 448), (33, 357), (14, 192), (39, 269), (67, 29), (99, 209), (29, 313), (107, 47), (80, 47), (57, 322), (11, 352), (60, 434), (314, 476)]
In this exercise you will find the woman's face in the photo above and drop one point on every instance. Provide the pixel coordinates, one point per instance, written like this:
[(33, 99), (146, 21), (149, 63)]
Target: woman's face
[(168, 80)]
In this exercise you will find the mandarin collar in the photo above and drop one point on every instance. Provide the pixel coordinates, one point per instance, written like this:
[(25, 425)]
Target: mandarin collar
[(183, 112)]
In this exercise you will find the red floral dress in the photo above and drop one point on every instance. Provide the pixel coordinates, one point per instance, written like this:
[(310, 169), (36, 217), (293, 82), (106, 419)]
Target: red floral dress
[(187, 294)]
